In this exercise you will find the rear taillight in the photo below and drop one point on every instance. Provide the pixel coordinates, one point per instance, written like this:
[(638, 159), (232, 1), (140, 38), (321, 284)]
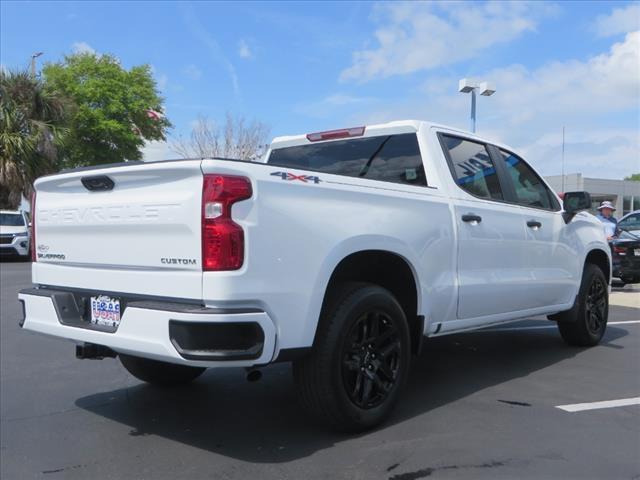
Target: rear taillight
[(620, 250), (32, 244), (222, 238)]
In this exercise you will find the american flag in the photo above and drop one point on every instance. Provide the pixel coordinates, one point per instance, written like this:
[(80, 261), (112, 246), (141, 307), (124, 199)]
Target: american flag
[(154, 115)]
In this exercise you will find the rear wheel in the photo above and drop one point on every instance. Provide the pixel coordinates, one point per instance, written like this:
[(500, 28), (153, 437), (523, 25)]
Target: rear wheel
[(360, 360), (159, 373), (585, 324)]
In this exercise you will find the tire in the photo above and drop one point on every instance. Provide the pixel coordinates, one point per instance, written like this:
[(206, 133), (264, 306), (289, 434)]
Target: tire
[(585, 324), (159, 373), (348, 383)]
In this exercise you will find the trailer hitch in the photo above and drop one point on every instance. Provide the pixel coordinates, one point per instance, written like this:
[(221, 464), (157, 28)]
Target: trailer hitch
[(94, 352)]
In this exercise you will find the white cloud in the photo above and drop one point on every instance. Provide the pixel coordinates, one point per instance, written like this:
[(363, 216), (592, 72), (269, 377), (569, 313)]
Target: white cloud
[(243, 49), (328, 106), (193, 72), (155, 150), (82, 47), (603, 84), (215, 52), (425, 35), (620, 20), (597, 153), (163, 80), (597, 99)]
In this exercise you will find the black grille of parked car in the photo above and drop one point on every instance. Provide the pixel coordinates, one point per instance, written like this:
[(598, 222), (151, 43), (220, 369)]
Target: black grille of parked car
[(6, 239)]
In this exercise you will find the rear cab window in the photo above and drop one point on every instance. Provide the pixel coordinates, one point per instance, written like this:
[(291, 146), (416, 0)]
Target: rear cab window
[(387, 158)]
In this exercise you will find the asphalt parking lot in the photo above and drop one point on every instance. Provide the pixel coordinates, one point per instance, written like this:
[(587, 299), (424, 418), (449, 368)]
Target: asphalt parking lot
[(478, 405)]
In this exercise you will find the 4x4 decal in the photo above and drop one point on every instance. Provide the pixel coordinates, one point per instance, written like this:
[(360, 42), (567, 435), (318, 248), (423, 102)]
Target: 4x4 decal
[(302, 178)]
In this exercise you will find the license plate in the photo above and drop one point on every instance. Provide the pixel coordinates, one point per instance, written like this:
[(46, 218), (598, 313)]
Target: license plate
[(636, 252), (105, 311)]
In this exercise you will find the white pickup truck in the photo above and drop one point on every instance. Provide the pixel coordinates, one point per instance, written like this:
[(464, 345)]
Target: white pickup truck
[(340, 252)]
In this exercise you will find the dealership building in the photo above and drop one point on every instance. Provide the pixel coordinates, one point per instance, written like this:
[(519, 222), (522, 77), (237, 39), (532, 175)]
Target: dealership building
[(624, 194)]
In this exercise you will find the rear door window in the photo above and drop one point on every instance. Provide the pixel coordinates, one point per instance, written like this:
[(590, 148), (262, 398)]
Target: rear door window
[(389, 158), (472, 167)]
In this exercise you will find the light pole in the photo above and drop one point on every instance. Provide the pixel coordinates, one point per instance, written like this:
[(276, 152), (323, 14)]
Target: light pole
[(33, 63), (486, 89)]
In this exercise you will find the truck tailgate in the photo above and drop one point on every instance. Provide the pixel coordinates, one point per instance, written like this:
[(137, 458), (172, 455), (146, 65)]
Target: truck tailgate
[(121, 239)]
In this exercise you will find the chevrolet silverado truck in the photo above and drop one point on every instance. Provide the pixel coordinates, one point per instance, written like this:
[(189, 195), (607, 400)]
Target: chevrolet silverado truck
[(340, 251)]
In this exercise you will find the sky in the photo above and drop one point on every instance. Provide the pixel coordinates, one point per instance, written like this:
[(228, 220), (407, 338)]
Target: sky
[(302, 66)]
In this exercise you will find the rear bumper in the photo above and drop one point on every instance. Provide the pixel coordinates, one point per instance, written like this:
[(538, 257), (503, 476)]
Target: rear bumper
[(170, 332), (626, 268)]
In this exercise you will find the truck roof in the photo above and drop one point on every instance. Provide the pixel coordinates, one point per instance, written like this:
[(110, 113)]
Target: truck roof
[(395, 127)]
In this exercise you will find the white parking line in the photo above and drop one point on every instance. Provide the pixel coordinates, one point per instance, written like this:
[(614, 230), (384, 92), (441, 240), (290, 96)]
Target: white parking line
[(579, 407), (539, 327)]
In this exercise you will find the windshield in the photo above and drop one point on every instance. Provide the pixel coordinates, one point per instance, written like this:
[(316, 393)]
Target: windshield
[(631, 223), (11, 220)]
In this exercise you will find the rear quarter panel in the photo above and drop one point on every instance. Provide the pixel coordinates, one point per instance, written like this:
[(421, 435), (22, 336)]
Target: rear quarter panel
[(297, 232)]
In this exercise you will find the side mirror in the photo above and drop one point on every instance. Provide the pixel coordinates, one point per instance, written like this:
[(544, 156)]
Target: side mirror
[(574, 202)]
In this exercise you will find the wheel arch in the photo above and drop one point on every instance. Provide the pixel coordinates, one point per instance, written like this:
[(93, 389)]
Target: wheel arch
[(387, 269), (601, 259)]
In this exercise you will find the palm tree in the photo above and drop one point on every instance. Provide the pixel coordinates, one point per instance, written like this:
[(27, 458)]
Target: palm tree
[(32, 128)]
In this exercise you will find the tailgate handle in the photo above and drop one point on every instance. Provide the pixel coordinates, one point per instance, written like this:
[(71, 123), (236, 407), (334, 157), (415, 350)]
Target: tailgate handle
[(97, 183)]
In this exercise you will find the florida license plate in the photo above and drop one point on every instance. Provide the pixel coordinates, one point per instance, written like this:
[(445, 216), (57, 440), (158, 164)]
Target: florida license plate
[(105, 311)]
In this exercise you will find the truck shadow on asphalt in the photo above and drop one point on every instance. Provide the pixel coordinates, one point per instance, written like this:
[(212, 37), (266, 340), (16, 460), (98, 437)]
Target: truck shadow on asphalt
[(262, 422)]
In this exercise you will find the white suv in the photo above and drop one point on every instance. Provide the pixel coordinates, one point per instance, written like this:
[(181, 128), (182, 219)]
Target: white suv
[(14, 234)]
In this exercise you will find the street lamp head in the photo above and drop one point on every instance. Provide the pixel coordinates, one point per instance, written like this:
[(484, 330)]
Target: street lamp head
[(36, 55), (487, 89), (466, 85)]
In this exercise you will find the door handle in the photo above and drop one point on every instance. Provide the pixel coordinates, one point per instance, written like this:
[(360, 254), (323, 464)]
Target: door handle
[(534, 224), (470, 217)]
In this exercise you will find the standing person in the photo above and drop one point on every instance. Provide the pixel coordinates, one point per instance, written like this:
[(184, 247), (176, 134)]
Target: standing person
[(605, 215)]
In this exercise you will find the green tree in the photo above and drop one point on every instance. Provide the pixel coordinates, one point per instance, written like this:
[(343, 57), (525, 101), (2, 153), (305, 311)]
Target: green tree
[(634, 177), (117, 110), (32, 130)]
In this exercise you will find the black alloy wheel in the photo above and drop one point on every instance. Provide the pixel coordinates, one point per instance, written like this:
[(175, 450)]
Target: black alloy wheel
[(371, 359), (596, 306), (360, 359), (585, 324)]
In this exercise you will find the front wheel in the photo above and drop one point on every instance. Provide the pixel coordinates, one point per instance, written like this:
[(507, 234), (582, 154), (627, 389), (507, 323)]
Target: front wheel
[(591, 311), (159, 373), (360, 360)]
